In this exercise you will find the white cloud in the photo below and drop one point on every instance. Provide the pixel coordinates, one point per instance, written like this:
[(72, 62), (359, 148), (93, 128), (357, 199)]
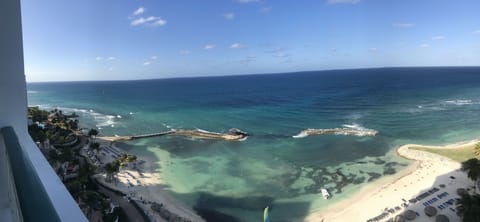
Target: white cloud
[(209, 46), (438, 37), (111, 68), (151, 20), (247, 1), (99, 58), (111, 58), (372, 49), (476, 32), (403, 25), (146, 63), (343, 1), (154, 57), (160, 22), (139, 11), (184, 52), (229, 15), (424, 45), (236, 46)]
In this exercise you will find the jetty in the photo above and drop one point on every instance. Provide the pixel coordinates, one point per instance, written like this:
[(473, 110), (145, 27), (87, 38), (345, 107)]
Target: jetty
[(232, 135), (337, 131)]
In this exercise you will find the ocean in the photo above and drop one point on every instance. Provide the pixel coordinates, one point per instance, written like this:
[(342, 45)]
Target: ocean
[(235, 180)]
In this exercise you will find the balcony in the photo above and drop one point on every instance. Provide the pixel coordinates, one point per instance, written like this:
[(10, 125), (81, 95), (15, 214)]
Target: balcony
[(29, 188)]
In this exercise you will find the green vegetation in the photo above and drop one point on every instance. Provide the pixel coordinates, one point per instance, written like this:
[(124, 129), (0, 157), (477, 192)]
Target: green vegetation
[(54, 126), (459, 154), (93, 134), (477, 149), (472, 168), (61, 132), (94, 146), (468, 206), (112, 169), (37, 115)]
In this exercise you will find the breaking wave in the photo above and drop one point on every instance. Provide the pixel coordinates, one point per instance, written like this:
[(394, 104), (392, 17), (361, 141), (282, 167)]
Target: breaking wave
[(347, 130)]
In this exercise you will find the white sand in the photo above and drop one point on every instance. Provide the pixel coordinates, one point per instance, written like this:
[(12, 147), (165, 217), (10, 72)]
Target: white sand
[(148, 186), (427, 171)]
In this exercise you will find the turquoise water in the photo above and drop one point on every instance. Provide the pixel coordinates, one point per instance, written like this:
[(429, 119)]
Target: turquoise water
[(238, 179)]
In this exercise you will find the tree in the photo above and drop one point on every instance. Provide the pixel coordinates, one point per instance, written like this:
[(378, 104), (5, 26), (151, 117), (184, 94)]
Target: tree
[(477, 149), (468, 207), (131, 158), (472, 167), (94, 146), (111, 169), (93, 133)]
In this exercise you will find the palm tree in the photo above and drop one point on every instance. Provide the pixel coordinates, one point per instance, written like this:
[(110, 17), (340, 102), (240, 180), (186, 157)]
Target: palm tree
[(95, 146), (477, 149), (111, 169), (472, 167), (468, 207), (93, 133)]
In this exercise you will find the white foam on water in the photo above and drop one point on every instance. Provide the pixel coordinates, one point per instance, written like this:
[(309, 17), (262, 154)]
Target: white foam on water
[(354, 126), (301, 135), (460, 102)]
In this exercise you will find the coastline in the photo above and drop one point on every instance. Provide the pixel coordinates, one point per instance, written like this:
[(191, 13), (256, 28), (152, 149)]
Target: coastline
[(388, 191), (147, 186), (425, 171)]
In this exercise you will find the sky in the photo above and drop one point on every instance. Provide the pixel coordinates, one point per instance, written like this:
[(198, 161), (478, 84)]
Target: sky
[(137, 39)]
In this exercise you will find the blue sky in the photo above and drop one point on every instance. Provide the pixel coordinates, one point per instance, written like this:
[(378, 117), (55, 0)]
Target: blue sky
[(132, 39)]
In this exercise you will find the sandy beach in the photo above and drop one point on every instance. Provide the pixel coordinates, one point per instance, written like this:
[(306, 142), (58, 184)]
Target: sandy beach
[(146, 185), (426, 172)]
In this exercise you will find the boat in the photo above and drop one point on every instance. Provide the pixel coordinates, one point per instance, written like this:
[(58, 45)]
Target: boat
[(325, 193)]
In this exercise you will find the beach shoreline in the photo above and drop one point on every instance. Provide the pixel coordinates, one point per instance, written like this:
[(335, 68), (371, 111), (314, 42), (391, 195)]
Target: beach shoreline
[(421, 174), (146, 186)]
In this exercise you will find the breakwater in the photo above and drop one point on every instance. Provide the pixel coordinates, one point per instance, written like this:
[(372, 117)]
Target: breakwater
[(232, 135)]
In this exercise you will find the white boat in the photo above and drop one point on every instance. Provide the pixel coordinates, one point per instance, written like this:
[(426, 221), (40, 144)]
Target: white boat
[(325, 193)]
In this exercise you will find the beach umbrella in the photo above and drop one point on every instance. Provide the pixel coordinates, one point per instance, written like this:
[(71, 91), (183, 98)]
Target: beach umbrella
[(266, 216), (410, 215), (441, 218), (399, 218), (430, 211)]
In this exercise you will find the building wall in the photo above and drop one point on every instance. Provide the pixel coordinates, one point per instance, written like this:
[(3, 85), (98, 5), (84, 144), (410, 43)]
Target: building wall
[(13, 109)]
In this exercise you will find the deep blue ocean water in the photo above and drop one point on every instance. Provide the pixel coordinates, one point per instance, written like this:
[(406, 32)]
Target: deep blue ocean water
[(405, 105)]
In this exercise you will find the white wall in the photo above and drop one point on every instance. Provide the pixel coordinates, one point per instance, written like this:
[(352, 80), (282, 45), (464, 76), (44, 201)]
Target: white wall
[(13, 96), (13, 108)]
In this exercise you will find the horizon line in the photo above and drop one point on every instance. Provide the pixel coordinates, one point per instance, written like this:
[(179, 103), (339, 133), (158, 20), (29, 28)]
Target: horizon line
[(251, 74)]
